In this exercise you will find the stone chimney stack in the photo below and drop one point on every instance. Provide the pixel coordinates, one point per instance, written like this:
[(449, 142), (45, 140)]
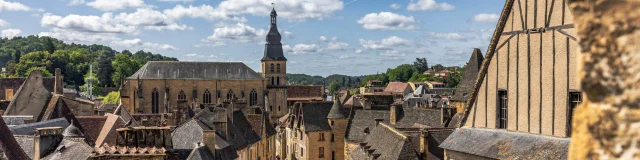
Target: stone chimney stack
[(58, 86), (209, 138), (393, 113), (424, 143), (45, 139)]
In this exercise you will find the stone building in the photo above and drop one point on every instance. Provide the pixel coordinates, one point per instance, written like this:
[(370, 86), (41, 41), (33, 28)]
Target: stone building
[(526, 89), (158, 87), (459, 97), (313, 130), (300, 93)]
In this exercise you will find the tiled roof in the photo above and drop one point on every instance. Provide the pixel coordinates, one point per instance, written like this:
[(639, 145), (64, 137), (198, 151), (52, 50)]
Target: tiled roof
[(57, 108), (196, 70), (201, 152), (314, 115), (388, 143), (71, 148), (256, 122), (502, 144), (396, 87), (26, 143), (9, 147), (28, 129), (406, 117), (299, 91), (469, 76), (92, 124), (337, 111), (108, 130)]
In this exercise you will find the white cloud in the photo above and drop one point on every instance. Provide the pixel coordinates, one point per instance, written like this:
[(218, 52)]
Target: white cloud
[(203, 11), (104, 24), (387, 21), (288, 34), (191, 55), (3, 23), (334, 38), (392, 53), (176, 0), (75, 36), (75, 2), (171, 27), (10, 33), (337, 46), (13, 6), (305, 49), (424, 5), (358, 51), (238, 33), (395, 6), (323, 38), (447, 36), (151, 19), (385, 44), (110, 5), (485, 18), (137, 43), (288, 9)]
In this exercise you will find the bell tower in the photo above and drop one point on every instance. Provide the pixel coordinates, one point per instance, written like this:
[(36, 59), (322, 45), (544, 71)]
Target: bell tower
[(274, 70)]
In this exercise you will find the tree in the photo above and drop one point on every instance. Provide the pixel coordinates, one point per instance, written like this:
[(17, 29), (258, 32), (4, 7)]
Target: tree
[(349, 84), (453, 79), (344, 81), (45, 73), (105, 71), (111, 98), (400, 73), (437, 67), (49, 46), (381, 77), (95, 85), (334, 88), (358, 80), (421, 65), (73, 64), (127, 52), (123, 66), (31, 60)]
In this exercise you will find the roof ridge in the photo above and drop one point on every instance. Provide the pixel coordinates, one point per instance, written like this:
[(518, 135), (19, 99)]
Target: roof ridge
[(397, 132)]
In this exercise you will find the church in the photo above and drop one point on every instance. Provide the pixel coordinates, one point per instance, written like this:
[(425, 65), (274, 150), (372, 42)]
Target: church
[(158, 86)]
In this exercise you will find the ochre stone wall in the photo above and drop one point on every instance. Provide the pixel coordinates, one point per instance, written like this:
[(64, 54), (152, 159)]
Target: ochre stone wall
[(607, 124)]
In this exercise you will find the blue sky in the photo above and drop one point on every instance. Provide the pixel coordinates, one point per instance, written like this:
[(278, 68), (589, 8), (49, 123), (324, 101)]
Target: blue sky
[(320, 37)]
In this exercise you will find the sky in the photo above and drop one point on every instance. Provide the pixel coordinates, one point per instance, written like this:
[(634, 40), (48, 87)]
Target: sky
[(320, 37)]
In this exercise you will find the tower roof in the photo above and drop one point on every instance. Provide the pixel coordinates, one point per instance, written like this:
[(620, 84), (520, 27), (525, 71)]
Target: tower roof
[(72, 131), (273, 49), (469, 76), (336, 110), (273, 12)]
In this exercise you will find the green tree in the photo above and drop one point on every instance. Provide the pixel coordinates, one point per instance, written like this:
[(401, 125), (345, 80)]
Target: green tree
[(73, 64), (401, 73), (334, 88), (127, 52), (344, 81), (49, 46), (437, 67), (123, 66), (112, 98), (95, 85), (421, 65), (453, 79), (45, 73), (105, 70), (381, 77), (31, 60)]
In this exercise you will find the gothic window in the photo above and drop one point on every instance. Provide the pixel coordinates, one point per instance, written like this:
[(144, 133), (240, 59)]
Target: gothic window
[(182, 96), (278, 68), (206, 97), (154, 101), (253, 97), (271, 68), (229, 94)]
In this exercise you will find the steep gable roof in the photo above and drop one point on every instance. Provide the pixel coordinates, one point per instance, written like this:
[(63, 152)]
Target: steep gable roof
[(201, 152), (314, 116), (196, 70), (469, 76), (389, 143), (31, 98), (9, 147), (396, 87), (309, 92)]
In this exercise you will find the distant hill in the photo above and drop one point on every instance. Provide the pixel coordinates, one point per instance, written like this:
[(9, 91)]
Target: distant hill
[(304, 79)]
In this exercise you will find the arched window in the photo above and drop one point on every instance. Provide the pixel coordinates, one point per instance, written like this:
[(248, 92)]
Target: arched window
[(278, 68), (154, 101), (278, 80), (229, 94), (253, 97), (273, 81), (182, 96), (206, 97), (271, 68)]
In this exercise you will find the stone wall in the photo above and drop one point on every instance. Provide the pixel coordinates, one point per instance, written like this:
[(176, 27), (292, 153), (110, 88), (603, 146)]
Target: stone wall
[(607, 124)]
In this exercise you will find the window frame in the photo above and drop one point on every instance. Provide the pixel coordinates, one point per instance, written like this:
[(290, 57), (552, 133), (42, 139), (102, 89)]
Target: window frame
[(320, 152), (502, 109), (571, 106)]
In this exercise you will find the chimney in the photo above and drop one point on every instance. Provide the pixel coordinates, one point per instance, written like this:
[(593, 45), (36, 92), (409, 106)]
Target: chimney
[(58, 82), (378, 120), (393, 115), (424, 143), (209, 138), (46, 140)]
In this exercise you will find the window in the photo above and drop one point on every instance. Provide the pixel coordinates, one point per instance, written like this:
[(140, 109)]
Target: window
[(301, 152), (575, 98), (195, 94), (332, 138), (278, 80), (230, 94), (271, 68), (333, 155), (321, 137), (218, 94), (155, 101), (279, 108), (242, 94), (253, 97), (321, 152), (502, 109), (273, 81), (182, 96), (8, 94), (206, 97), (278, 68)]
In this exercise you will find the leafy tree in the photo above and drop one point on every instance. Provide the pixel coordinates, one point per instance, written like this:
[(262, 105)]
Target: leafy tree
[(358, 81), (112, 98), (73, 65), (105, 70), (437, 67), (45, 73), (31, 60), (401, 73), (123, 66), (453, 79), (344, 81), (381, 77), (421, 65), (334, 88), (95, 85), (349, 84), (127, 52), (49, 46)]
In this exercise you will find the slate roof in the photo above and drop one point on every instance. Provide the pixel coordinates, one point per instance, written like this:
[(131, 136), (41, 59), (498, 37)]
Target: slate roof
[(396, 87), (389, 143), (273, 48), (124, 114), (441, 91), (71, 148), (362, 119), (72, 131), (31, 98), (16, 120), (58, 109), (26, 143), (92, 124), (201, 152), (15, 83), (300, 91), (337, 111), (196, 70), (9, 147), (407, 117), (314, 115), (241, 132), (28, 129), (469, 76), (501, 144)]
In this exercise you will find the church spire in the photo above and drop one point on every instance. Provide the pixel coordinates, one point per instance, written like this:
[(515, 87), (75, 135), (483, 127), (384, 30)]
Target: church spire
[(273, 48)]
